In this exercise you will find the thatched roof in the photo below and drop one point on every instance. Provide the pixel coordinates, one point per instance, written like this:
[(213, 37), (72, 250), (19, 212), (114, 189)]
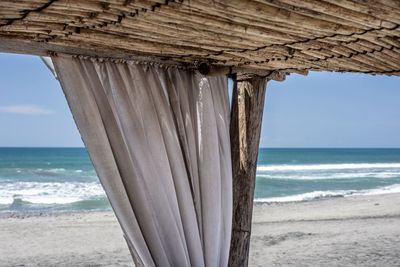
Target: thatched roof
[(261, 35)]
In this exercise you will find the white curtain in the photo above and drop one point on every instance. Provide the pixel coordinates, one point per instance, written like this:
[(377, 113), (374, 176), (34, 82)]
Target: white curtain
[(159, 140)]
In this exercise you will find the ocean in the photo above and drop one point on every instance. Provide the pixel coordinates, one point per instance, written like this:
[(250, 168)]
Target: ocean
[(63, 179)]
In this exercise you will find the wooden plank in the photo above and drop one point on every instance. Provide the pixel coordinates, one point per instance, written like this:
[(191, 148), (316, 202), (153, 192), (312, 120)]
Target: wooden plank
[(246, 118), (332, 12)]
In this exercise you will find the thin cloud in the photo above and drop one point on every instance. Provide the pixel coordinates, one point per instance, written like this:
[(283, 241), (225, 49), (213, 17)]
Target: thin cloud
[(26, 110)]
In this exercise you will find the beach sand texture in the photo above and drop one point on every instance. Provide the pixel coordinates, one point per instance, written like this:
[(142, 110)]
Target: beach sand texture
[(351, 231)]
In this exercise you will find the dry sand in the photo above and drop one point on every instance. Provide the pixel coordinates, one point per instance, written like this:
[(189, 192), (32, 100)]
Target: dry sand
[(356, 231)]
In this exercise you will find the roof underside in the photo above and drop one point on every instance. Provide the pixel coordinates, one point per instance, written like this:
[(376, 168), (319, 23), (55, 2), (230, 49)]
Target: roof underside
[(283, 35)]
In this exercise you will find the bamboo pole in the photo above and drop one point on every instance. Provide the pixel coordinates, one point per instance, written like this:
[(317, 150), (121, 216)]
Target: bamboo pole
[(246, 117)]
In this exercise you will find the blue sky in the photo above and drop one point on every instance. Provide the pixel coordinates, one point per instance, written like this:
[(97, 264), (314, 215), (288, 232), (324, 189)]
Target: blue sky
[(318, 110)]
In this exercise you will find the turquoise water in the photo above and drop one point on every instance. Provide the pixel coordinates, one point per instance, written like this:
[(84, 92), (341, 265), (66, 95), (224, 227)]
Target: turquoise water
[(63, 179), (304, 174), (49, 179)]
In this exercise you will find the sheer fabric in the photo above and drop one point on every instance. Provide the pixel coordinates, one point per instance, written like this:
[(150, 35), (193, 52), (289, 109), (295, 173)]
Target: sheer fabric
[(159, 140)]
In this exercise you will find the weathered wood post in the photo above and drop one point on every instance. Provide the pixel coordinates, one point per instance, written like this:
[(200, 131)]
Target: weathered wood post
[(246, 117)]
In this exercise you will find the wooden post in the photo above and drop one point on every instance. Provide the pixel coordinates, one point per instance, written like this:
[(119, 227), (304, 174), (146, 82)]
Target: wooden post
[(246, 117)]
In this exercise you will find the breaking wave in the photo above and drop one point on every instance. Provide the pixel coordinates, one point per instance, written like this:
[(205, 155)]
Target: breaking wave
[(49, 192), (333, 193), (327, 176), (324, 167)]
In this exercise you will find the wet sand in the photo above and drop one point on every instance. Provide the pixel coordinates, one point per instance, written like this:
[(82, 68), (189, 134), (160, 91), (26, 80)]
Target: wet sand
[(352, 231)]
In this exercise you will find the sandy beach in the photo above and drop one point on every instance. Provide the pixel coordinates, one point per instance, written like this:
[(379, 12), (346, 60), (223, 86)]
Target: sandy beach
[(351, 231)]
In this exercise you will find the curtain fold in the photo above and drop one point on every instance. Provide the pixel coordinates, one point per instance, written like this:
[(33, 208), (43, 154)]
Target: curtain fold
[(159, 140)]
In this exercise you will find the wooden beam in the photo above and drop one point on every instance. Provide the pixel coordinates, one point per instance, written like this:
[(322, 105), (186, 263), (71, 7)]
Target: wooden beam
[(246, 117), (215, 70), (45, 49), (21, 46)]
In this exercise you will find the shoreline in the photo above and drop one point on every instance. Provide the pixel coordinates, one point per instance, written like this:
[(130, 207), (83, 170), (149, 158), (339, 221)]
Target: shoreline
[(347, 231), (257, 203)]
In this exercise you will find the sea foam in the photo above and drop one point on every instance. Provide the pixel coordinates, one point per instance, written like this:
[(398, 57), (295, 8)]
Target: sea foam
[(49, 193), (328, 175), (316, 167), (332, 193)]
